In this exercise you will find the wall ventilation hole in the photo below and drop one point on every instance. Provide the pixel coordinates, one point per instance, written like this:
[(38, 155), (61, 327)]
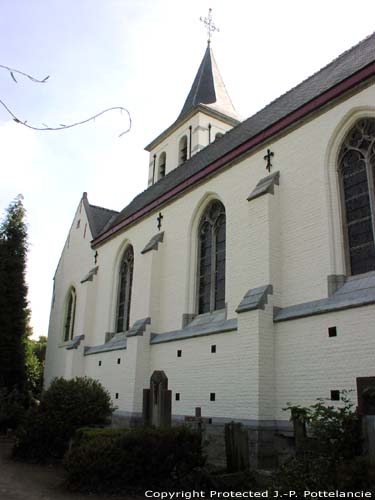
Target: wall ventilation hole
[(177, 396), (335, 395), (213, 348), (179, 353), (116, 395), (212, 396), (332, 331), (118, 361), (100, 363)]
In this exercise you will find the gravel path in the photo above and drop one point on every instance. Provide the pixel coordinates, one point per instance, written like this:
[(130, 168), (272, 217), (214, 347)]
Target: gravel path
[(20, 481)]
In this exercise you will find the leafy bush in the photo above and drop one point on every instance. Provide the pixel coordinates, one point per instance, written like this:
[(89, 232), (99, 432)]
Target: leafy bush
[(86, 434), (12, 408), (66, 406), (330, 454), (139, 457)]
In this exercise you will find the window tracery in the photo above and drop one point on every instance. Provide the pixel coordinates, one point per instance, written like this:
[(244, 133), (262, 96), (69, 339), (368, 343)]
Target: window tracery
[(211, 272), (70, 312), (357, 174), (124, 290)]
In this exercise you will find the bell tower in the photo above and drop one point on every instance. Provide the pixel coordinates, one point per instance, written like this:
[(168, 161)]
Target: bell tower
[(207, 114)]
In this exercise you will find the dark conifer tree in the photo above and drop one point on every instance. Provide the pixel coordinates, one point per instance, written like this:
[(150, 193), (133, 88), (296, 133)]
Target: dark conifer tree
[(13, 296)]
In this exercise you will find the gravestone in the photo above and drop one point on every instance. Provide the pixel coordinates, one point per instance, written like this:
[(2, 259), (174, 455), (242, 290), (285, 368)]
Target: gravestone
[(300, 432), (197, 421), (365, 393), (366, 408), (236, 447), (157, 401)]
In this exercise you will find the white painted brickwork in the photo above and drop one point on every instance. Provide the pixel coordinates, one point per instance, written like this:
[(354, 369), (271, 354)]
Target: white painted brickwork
[(76, 260), (292, 240), (309, 364)]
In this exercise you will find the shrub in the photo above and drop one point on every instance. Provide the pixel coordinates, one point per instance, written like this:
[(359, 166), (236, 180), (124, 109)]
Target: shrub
[(66, 406), (12, 408), (138, 458), (86, 434), (330, 453)]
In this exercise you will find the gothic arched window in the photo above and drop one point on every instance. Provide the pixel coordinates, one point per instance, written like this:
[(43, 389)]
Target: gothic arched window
[(70, 312), (124, 290), (162, 165), (183, 150), (211, 254), (357, 173)]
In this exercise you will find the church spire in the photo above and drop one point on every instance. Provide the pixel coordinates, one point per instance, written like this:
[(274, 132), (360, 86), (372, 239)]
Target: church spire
[(208, 87)]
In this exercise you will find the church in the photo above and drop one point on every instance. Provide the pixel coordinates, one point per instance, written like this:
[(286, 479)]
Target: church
[(245, 272)]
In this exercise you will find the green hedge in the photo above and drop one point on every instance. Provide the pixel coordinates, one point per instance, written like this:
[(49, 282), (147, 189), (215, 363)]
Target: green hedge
[(86, 434), (139, 458), (66, 406)]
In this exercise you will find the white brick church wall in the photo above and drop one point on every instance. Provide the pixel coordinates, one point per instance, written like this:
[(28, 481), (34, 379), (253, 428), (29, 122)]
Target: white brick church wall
[(292, 239)]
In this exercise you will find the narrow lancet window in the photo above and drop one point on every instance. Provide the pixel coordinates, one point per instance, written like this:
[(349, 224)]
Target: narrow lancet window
[(211, 251), (124, 291), (70, 312), (357, 173)]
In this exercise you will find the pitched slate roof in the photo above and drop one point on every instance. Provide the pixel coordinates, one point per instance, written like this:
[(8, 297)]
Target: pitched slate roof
[(99, 218), (337, 72), (357, 291), (208, 88)]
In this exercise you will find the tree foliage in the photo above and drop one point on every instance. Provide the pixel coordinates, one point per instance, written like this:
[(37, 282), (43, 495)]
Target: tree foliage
[(331, 458), (65, 406), (13, 296), (34, 363)]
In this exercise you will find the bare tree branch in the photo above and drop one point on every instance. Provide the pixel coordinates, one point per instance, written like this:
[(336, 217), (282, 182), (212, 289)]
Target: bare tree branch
[(44, 126), (12, 71)]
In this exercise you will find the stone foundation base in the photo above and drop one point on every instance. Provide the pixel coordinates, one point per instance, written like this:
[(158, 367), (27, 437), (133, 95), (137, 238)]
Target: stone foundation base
[(270, 444)]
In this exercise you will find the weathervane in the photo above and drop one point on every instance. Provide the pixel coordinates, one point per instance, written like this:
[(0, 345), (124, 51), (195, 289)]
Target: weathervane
[(209, 25)]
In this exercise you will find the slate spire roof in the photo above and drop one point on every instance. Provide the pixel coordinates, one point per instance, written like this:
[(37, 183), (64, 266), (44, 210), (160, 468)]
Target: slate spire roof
[(208, 88)]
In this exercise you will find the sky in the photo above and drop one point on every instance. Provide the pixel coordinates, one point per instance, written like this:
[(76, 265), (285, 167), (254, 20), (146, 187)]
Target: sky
[(142, 55)]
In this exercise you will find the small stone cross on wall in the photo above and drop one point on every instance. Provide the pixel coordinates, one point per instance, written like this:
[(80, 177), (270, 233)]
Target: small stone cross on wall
[(159, 219), (268, 157)]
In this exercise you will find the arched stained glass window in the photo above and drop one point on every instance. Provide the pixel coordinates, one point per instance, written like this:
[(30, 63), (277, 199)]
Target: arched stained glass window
[(357, 173), (124, 290), (70, 312), (211, 252)]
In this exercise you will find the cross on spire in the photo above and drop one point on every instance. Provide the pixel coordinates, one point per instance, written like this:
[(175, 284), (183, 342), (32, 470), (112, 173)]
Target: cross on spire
[(209, 25)]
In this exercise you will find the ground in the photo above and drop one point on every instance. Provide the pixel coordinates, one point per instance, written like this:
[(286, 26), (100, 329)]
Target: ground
[(21, 481)]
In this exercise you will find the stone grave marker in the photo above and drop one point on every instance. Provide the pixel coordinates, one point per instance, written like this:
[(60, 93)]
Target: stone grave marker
[(157, 401)]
